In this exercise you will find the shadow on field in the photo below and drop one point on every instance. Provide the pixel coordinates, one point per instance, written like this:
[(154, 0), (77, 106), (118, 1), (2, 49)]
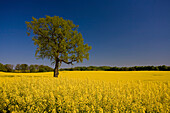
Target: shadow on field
[(157, 75)]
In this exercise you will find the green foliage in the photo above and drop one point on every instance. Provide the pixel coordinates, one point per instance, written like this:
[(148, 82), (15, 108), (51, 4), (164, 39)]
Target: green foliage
[(9, 67), (2, 68), (18, 67), (108, 68), (48, 69), (43, 68), (36, 67), (24, 67), (58, 39), (32, 68)]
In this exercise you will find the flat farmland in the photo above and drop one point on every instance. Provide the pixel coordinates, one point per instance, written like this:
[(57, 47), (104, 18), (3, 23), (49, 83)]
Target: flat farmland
[(100, 75), (86, 91)]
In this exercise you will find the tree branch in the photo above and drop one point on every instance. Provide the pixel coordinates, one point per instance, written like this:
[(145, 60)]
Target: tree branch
[(71, 62), (43, 35)]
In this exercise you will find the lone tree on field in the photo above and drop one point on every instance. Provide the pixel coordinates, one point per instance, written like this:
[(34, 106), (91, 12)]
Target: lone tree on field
[(58, 40)]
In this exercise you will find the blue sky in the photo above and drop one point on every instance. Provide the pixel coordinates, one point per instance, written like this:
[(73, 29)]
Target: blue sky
[(121, 32)]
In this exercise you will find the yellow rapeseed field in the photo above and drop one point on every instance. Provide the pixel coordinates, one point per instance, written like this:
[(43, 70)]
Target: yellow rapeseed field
[(86, 91)]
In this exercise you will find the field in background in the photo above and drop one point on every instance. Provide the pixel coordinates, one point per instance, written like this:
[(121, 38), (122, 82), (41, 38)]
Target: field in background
[(100, 75), (86, 91)]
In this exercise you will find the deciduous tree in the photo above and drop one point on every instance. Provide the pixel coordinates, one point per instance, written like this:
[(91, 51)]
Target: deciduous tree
[(32, 68), (9, 67), (2, 67), (18, 67), (24, 67), (58, 40)]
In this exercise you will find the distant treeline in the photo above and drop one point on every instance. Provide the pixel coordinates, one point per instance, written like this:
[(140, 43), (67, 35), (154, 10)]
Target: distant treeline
[(108, 68), (24, 68)]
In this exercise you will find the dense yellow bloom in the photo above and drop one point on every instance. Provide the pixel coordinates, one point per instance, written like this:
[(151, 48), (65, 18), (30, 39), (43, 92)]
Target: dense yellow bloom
[(100, 92)]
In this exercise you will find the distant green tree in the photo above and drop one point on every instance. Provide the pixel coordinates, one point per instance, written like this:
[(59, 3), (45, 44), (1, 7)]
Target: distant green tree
[(58, 40), (36, 67), (156, 68), (18, 67), (2, 68), (48, 69), (9, 67), (163, 68), (114, 69), (24, 67), (168, 68), (108, 68), (42, 68), (32, 68), (124, 69)]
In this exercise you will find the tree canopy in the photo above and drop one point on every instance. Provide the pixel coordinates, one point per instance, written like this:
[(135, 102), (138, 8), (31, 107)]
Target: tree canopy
[(58, 40)]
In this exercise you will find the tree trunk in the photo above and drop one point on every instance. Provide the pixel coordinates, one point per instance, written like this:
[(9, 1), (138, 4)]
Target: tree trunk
[(56, 72)]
